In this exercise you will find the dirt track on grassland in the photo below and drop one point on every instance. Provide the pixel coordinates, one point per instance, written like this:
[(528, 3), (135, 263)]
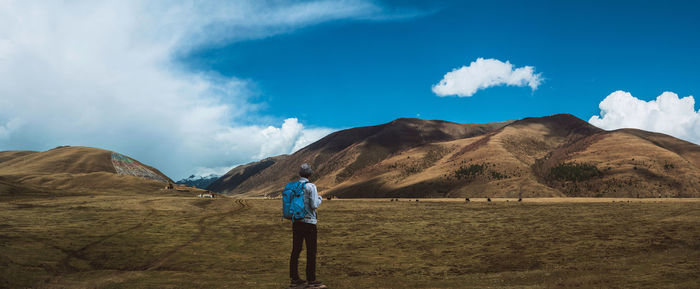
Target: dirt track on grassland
[(158, 262)]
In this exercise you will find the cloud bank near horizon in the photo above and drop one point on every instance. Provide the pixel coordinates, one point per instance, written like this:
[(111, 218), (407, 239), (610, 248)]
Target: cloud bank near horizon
[(105, 74), (667, 114), (484, 73)]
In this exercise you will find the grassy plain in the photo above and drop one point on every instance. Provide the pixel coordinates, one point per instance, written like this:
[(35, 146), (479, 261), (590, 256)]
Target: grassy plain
[(170, 241)]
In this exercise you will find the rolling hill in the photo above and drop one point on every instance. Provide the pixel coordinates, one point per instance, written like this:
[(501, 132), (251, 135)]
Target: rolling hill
[(558, 155), (76, 169)]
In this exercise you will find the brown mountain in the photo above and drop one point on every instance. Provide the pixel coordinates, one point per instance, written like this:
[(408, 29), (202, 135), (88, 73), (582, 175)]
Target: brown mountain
[(76, 169), (558, 155), (338, 155)]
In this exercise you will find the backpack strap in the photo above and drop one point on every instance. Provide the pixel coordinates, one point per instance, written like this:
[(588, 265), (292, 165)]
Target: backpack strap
[(302, 184)]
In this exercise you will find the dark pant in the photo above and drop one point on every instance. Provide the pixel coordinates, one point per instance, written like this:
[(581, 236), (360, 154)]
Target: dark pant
[(303, 231)]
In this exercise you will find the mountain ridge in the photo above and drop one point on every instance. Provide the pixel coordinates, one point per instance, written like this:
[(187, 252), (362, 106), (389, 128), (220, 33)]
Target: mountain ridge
[(532, 156), (201, 182)]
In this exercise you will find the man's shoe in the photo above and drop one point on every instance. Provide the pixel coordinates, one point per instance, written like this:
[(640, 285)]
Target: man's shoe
[(316, 285), (298, 283)]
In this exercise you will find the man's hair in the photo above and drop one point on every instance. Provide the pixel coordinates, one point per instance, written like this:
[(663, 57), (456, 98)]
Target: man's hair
[(305, 170)]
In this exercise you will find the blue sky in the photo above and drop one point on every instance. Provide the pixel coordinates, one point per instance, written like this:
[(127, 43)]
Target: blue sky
[(348, 73), (198, 87)]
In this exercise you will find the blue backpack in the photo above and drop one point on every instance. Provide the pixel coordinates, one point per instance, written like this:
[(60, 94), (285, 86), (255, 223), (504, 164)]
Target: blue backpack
[(293, 207)]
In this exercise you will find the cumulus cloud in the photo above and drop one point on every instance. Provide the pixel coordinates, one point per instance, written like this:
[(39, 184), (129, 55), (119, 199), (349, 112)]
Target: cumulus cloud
[(263, 141), (485, 73), (105, 74), (270, 140), (667, 114)]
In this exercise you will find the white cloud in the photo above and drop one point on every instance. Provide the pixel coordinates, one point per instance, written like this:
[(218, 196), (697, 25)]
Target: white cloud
[(485, 73), (270, 140), (227, 21), (290, 137), (667, 114), (104, 74)]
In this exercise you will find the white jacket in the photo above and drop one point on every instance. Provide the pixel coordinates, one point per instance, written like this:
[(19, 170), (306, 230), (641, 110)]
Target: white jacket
[(311, 201)]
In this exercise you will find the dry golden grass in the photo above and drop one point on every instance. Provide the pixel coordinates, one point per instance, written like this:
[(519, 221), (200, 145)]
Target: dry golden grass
[(170, 241)]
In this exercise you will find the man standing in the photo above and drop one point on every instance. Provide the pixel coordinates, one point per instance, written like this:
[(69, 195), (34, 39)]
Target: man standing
[(305, 230)]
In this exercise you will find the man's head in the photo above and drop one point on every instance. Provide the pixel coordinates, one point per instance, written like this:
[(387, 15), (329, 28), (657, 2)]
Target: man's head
[(305, 171)]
